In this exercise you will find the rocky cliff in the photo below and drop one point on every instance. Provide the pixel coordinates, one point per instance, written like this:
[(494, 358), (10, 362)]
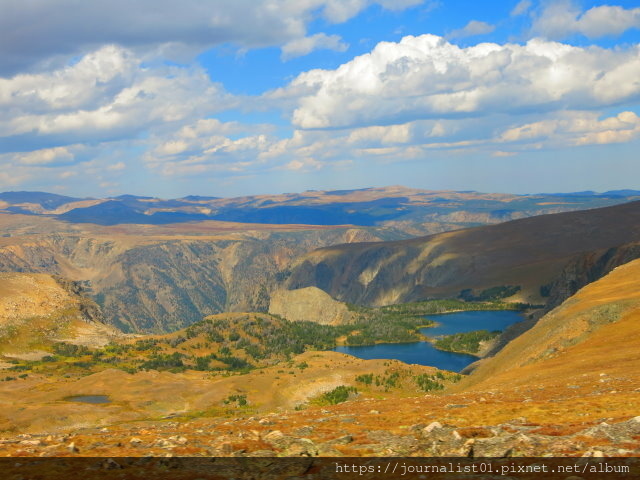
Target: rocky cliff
[(586, 268), (310, 304), (160, 279)]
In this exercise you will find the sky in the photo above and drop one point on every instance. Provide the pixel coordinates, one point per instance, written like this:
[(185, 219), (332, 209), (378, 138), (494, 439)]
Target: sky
[(243, 97)]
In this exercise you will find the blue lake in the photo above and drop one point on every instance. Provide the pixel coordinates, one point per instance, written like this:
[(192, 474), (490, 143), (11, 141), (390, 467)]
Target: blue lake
[(461, 322), (423, 353)]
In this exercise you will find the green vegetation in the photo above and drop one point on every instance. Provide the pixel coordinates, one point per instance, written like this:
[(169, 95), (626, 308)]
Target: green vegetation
[(403, 378), (427, 383), (171, 362), (366, 378), (69, 350), (237, 343), (492, 294), (468, 342), (238, 400), (337, 395)]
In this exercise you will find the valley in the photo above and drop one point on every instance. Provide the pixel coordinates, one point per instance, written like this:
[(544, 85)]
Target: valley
[(218, 338)]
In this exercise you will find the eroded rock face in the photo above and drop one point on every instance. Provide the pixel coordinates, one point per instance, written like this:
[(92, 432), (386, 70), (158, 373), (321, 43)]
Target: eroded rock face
[(310, 304)]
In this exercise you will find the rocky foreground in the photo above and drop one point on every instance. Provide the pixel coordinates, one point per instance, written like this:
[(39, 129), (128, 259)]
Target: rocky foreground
[(595, 423)]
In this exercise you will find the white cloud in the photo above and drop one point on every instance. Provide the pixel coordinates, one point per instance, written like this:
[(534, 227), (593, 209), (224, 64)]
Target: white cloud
[(209, 146), (108, 94), (68, 27), (426, 77), (471, 29), (577, 128), (304, 164), (561, 19), (116, 167), (45, 156), (521, 8), (306, 45)]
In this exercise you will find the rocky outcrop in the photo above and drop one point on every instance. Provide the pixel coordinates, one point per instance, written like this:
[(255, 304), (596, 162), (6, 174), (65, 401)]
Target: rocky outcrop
[(310, 304), (38, 309)]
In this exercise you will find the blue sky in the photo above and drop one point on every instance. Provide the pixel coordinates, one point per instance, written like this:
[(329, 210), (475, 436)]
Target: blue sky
[(222, 98)]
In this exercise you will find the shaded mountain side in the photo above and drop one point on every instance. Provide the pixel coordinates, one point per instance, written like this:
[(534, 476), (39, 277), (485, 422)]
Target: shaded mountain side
[(163, 280), (586, 268), (37, 310), (528, 253), (596, 331)]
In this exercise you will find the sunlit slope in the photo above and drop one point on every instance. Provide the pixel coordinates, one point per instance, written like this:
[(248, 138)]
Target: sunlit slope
[(597, 331), (37, 310), (527, 253)]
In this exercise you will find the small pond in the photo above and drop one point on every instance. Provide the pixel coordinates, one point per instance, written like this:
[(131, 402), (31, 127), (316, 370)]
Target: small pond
[(88, 399)]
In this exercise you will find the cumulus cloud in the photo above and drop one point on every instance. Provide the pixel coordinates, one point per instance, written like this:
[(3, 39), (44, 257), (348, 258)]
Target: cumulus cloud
[(209, 145), (577, 128), (108, 94), (427, 77), (68, 27), (46, 156), (306, 45), (561, 19), (471, 29)]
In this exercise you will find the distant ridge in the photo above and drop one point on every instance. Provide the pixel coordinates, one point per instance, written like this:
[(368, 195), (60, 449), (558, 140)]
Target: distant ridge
[(414, 211)]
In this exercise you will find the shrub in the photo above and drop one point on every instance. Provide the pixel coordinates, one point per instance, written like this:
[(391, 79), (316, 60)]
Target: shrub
[(366, 378), (338, 395)]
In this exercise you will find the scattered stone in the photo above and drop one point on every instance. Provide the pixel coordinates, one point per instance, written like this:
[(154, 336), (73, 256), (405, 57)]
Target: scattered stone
[(32, 443), (432, 426), (302, 447), (179, 440), (344, 440), (72, 448), (417, 427), (304, 430), (135, 441)]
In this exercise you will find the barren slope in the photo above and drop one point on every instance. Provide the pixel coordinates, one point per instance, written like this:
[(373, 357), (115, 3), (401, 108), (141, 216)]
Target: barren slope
[(37, 310)]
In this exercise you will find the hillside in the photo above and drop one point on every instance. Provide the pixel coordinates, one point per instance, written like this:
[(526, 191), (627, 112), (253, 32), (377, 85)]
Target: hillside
[(163, 278), (568, 387), (597, 331), (524, 255), (37, 310), (152, 274)]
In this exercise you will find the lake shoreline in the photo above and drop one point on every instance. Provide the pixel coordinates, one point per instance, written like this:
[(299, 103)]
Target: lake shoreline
[(424, 351)]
